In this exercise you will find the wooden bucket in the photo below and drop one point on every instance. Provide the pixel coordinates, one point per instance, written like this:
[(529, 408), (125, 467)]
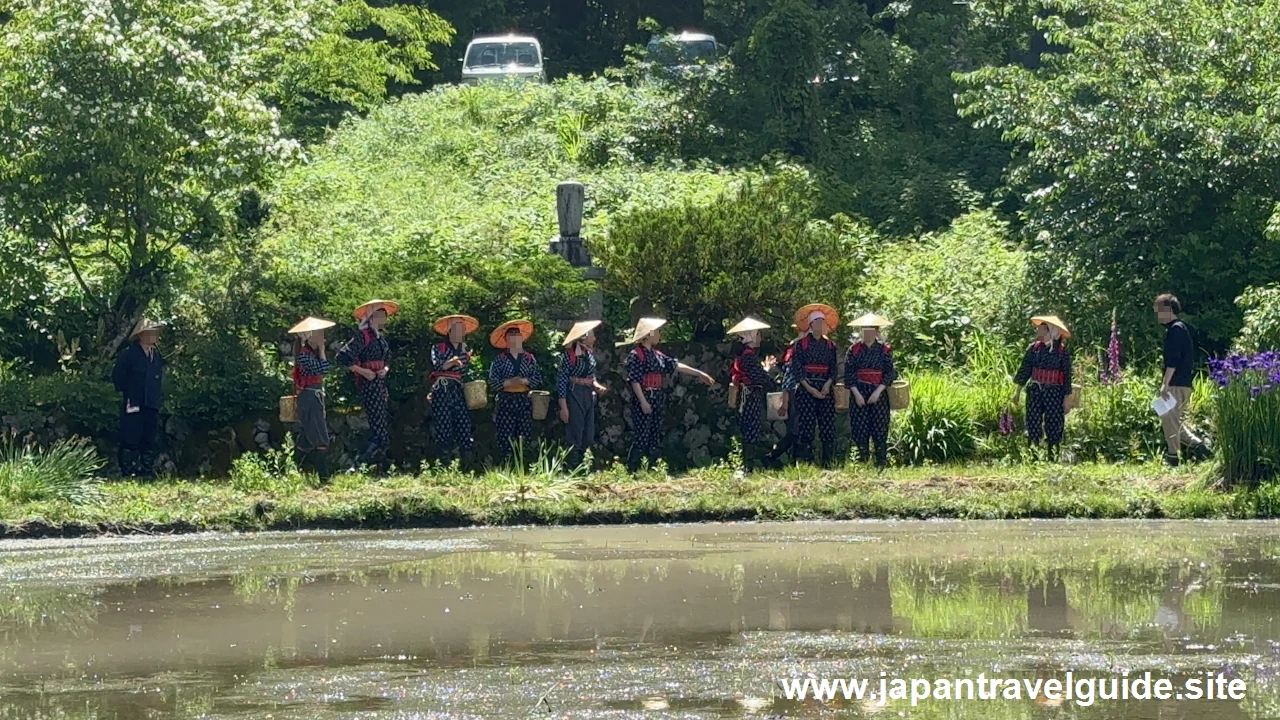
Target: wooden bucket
[(289, 409), (773, 405), (1073, 400), (541, 400), (900, 395), (733, 396), (477, 394), (841, 394)]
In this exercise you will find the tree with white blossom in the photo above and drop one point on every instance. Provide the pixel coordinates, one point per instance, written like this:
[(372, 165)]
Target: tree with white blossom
[(131, 130)]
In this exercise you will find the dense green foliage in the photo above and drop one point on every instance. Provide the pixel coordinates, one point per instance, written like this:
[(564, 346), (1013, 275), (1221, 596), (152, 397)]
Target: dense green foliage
[(956, 166), (756, 252), (1146, 155)]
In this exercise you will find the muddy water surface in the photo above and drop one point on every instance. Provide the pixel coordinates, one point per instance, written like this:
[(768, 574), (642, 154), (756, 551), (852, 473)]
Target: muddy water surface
[(636, 622)]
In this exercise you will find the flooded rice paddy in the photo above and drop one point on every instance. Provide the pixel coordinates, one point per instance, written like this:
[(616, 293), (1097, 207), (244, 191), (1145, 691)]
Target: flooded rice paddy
[(636, 622)]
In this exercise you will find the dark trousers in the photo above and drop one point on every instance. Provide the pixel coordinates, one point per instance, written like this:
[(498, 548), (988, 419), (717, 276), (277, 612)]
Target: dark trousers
[(648, 429), (513, 418), (1045, 416), (136, 453), (868, 423), (808, 411), (581, 430), (788, 442)]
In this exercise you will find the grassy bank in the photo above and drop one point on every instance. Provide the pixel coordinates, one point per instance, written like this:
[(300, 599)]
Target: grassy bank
[(442, 498)]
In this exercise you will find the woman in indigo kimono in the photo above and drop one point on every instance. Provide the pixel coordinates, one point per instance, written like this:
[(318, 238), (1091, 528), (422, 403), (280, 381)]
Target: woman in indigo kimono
[(868, 373), (578, 390), (309, 368), (810, 378), (366, 355), (754, 382), (450, 358), (512, 375), (1046, 372), (646, 367)]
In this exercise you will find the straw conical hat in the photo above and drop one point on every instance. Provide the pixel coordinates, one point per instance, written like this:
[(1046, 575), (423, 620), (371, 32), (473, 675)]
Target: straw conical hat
[(802, 316), (363, 311), (643, 328), (747, 325), (498, 338), (871, 320), (579, 330), (145, 325), (469, 324), (1052, 320), (311, 324)]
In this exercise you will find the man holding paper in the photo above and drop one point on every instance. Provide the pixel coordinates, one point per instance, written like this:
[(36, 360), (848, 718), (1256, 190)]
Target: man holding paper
[(1175, 390)]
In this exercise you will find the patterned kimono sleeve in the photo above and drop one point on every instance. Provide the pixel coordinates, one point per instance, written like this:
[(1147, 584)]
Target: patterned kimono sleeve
[(499, 372), (850, 368), (791, 379), (635, 368), (755, 371), (310, 364), (533, 373), (890, 372), (350, 353), (1066, 367), (666, 363), (1024, 371), (562, 376)]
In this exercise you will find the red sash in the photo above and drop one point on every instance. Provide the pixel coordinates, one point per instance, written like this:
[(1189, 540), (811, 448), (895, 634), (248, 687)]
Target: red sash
[(301, 382), (869, 376), (1048, 377)]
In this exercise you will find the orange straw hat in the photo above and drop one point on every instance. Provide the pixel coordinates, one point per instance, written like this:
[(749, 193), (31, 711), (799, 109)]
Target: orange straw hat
[(390, 306), (469, 324), (498, 338), (803, 314)]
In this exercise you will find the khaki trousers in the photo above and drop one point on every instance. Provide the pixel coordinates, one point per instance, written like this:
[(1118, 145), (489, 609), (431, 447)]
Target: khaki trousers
[(1176, 435)]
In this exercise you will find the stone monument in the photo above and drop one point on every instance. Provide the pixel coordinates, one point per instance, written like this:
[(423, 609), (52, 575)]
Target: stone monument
[(569, 244)]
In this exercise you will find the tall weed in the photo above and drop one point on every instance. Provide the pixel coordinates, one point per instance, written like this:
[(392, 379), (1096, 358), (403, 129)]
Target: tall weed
[(67, 470)]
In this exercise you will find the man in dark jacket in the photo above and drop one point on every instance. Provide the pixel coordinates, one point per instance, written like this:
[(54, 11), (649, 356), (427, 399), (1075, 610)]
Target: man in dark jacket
[(137, 376), (1179, 359)]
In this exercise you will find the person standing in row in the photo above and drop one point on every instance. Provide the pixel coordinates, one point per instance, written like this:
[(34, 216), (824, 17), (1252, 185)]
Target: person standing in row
[(868, 373), (512, 375), (788, 442), (578, 390), (366, 355), (810, 377), (752, 378), (646, 366), (1179, 361), (1046, 371), (450, 362), (138, 377), (309, 368)]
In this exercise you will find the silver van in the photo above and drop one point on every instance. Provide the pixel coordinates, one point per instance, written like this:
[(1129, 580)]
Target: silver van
[(493, 58)]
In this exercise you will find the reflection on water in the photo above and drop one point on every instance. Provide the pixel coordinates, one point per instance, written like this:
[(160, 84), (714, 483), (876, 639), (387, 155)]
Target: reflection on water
[(693, 622)]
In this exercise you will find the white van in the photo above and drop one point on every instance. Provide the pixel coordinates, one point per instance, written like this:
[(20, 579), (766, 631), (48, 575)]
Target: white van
[(684, 52), (503, 57)]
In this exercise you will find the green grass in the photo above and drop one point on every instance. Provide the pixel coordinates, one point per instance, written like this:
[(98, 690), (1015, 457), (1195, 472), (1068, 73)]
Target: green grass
[(443, 497)]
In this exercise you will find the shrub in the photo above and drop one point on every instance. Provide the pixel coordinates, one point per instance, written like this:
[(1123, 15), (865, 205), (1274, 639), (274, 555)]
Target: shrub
[(1114, 423), (83, 399), (946, 287), (754, 250), (67, 470), (1247, 416), (1261, 329), (938, 427)]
